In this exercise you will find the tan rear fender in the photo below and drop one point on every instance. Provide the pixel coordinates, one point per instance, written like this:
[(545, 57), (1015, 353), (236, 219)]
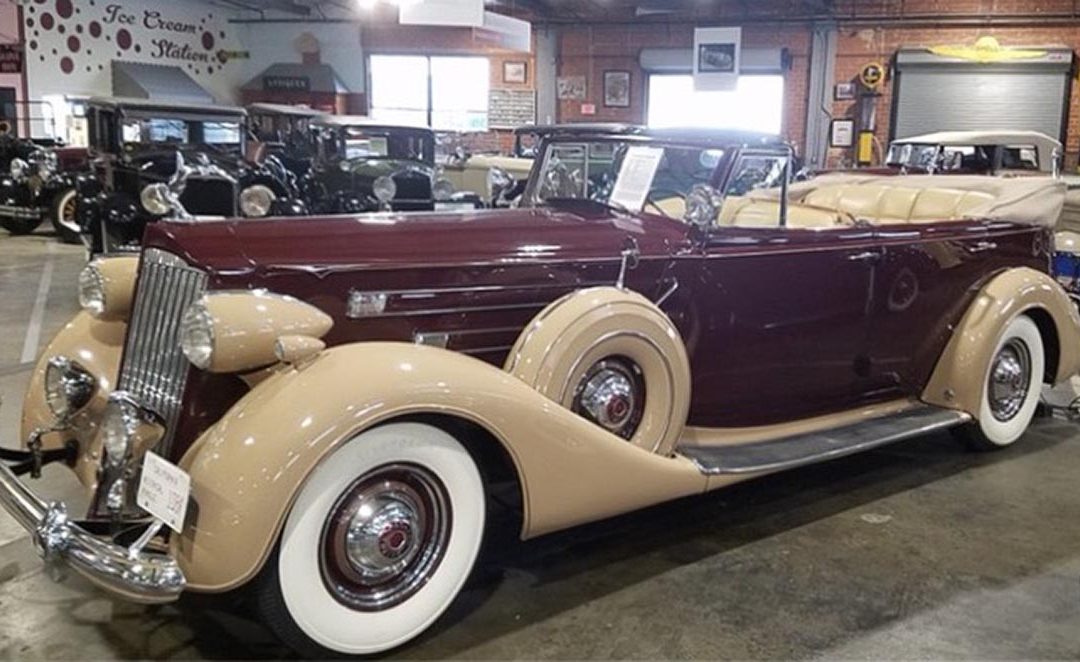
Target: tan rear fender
[(960, 376), (247, 469)]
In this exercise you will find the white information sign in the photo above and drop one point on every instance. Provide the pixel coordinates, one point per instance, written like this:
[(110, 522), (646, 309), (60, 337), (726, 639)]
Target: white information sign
[(636, 177), (163, 491)]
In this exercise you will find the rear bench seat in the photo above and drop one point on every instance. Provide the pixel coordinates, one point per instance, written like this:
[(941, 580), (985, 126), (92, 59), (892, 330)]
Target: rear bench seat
[(842, 204)]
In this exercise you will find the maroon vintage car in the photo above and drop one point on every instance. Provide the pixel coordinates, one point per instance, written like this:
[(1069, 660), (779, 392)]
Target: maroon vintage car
[(319, 410)]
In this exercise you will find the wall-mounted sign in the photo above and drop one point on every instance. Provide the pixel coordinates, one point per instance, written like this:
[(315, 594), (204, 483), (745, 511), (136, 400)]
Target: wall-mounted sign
[(588, 109), (987, 50), (842, 133), (571, 88), (716, 58), (844, 92), (286, 83), (11, 59), (872, 75)]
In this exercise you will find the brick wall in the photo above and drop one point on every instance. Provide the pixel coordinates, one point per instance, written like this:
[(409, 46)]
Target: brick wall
[(858, 46), (591, 50)]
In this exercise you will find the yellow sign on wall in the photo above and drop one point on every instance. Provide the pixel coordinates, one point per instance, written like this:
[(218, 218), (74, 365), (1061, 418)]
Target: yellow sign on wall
[(872, 75), (987, 50)]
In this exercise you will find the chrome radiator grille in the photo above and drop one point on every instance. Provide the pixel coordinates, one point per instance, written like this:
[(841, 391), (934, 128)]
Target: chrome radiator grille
[(154, 369)]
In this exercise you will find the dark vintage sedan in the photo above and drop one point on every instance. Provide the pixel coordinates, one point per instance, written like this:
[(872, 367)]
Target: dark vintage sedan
[(154, 160), (333, 412), (365, 165), (37, 181)]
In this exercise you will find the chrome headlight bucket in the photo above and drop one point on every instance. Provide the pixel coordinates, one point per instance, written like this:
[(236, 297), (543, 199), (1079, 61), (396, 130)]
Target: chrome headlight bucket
[(118, 428), (442, 189), (256, 201), (702, 206), (197, 335), (384, 189), (19, 169), (155, 199), (69, 387), (92, 290)]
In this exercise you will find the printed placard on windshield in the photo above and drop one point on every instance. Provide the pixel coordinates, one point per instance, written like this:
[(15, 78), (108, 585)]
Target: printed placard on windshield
[(636, 176), (163, 491)]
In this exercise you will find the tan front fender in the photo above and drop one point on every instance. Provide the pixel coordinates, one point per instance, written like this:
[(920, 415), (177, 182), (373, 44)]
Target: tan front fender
[(247, 469), (96, 345), (959, 378)]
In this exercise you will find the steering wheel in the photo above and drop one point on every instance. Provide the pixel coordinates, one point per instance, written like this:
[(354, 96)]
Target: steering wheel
[(668, 193)]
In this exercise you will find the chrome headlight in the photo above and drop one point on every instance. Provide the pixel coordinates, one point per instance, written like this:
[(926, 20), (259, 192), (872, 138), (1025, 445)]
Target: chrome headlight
[(68, 387), (19, 169), (45, 163), (155, 199), (443, 189), (92, 290), (197, 335), (385, 189), (256, 201), (702, 206), (118, 428), (498, 180)]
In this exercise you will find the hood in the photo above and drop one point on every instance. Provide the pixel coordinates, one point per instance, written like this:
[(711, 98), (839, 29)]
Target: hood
[(324, 245), (161, 163), (374, 168)]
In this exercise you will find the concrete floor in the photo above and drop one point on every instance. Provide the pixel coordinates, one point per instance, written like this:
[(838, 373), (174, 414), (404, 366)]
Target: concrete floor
[(920, 550)]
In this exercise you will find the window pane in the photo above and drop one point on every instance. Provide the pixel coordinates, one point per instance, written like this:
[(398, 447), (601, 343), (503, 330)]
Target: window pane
[(399, 82), (755, 105), (459, 93)]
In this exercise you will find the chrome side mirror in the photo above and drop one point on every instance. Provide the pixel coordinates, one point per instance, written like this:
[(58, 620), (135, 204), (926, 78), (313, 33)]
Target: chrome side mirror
[(703, 205), (1057, 163)]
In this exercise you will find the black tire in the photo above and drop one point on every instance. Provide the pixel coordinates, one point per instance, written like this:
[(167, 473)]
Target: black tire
[(19, 226), (63, 216)]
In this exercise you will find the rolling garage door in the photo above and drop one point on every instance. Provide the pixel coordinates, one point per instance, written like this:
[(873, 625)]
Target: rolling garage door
[(934, 93)]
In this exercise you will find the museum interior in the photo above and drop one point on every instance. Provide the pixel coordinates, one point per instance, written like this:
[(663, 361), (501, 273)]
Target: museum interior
[(729, 329)]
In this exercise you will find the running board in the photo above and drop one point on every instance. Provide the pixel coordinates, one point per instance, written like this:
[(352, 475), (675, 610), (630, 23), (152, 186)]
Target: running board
[(809, 448)]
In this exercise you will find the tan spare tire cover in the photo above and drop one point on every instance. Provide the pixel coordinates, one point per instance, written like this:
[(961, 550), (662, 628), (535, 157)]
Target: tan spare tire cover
[(560, 345)]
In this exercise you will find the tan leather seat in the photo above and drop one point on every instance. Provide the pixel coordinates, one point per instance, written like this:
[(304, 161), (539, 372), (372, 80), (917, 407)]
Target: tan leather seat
[(761, 213), (885, 204)]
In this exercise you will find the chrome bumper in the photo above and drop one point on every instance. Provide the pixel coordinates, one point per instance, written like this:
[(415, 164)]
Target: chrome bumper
[(136, 575), (21, 213)]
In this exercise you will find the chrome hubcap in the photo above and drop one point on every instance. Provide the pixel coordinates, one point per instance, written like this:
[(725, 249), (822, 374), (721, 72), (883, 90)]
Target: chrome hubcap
[(612, 395), (1010, 375), (385, 537)]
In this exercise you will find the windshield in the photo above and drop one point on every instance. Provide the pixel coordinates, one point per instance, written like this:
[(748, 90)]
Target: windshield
[(138, 133), (375, 143), (638, 176), (969, 158)]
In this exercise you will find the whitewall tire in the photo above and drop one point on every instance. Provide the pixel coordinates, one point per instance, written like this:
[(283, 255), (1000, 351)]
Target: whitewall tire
[(64, 218), (1011, 387), (378, 543)]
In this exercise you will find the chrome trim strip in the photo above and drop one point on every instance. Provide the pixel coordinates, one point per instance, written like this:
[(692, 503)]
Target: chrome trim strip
[(22, 213), (464, 309), (135, 574), (467, 289)]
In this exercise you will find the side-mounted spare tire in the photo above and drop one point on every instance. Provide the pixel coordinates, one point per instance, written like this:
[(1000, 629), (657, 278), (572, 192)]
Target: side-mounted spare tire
[(615, 358)]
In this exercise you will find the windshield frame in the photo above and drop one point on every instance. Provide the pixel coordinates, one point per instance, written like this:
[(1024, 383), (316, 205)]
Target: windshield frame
[(530, 197), (334, 142), (189, 118)]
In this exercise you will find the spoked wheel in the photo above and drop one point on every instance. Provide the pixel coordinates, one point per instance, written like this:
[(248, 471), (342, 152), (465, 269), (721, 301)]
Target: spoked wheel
[(377, 545), (1011, 388), (64, 219)]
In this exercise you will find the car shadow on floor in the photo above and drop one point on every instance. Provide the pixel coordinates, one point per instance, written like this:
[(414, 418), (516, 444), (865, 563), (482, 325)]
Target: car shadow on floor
[(550, 571)]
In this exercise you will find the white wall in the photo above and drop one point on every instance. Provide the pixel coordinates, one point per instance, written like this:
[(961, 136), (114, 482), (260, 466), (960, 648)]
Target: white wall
[(71, 44), (339, 45)]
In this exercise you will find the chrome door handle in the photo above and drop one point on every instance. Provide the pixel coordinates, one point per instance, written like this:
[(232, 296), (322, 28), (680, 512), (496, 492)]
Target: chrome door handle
[(982, 246), (865, 256)]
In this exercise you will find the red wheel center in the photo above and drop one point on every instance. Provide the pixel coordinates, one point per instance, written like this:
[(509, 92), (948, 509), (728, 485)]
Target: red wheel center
[(618, 408), (394, 540)]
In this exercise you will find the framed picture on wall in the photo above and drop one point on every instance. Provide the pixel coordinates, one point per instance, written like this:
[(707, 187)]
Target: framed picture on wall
[(842, 133), (617, 89), (515, 72)]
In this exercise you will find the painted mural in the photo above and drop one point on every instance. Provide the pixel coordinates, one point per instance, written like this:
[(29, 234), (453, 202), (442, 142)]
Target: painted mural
[(71, 43)]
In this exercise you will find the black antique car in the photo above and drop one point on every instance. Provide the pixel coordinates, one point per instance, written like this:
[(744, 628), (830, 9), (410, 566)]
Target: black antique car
[(153, 160), (363, 165), (285, 132), (37, 181)]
